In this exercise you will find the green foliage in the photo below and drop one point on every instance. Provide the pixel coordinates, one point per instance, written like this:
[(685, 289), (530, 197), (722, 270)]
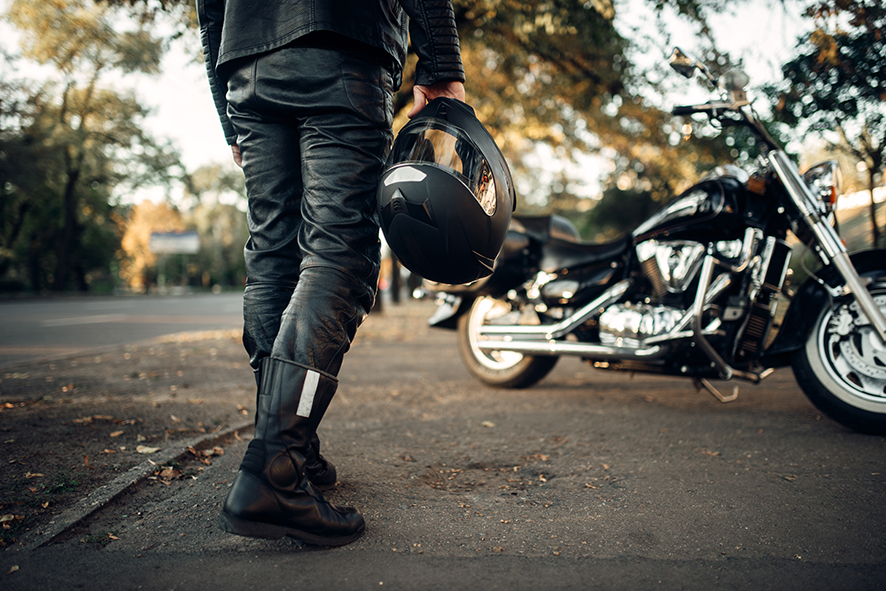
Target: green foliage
[(837, 83), (70, 144), (618, 212), (220, 223)]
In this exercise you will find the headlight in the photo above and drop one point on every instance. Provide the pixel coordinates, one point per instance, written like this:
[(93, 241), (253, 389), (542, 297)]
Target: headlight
[(826, 182)]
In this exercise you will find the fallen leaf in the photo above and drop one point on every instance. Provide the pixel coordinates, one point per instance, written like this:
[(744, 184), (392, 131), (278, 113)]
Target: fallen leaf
[(487, 424), (116, 434), (32, 475), (201, 456), (113, 537), (175, 419), (169, 473), (12, 569), (108, 451), (143, 449)]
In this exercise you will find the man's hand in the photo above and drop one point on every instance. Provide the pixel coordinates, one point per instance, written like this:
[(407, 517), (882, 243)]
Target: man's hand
[(235, 151), (422, 95)]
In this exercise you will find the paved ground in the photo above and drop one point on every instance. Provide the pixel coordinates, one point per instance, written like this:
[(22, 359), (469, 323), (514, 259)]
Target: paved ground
[(589, 480)]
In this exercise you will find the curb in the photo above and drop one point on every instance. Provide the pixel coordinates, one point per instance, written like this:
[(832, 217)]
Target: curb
[(108, 492)]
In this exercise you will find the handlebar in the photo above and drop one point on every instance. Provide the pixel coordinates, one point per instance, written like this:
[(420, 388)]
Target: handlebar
[(728, 114), (685, 110), (711, 107)]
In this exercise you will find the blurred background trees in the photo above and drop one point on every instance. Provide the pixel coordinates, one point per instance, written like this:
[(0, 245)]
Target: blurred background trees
[(835, 86), (575, 92), (71, 141)]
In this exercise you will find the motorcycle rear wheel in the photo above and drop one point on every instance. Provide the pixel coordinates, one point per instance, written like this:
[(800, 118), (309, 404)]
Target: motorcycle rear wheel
[(842, 367), (501, 369)]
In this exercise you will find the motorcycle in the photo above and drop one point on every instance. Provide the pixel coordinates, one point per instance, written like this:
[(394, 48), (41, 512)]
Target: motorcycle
[(694, 290)]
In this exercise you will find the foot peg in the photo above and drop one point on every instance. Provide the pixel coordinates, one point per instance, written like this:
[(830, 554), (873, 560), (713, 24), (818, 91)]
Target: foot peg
[(703, 383)]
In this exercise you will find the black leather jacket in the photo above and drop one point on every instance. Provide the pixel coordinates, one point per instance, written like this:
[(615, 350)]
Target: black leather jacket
[(231, 29)]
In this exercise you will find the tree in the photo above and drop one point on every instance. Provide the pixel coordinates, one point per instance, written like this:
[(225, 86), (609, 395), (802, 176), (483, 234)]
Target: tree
[(220, 222), (557, 72), (138, 265), (82, 140), (837, 84)]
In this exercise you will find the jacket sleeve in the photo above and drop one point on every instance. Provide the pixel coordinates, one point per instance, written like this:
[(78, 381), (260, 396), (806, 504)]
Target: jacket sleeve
[(434, 38), (210, 14)]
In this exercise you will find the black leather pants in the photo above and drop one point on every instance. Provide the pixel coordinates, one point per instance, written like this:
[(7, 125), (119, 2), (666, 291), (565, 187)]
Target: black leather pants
[(314, 128)]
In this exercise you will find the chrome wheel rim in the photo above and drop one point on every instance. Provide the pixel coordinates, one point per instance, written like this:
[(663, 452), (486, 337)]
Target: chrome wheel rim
[(484, 310), (853, 355)]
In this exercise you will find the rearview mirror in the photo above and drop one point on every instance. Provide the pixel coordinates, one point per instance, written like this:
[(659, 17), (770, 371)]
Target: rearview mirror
[(683, 63)]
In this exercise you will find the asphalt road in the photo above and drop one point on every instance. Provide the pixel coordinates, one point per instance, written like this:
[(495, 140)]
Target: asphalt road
[(590, 480), (33, 329)]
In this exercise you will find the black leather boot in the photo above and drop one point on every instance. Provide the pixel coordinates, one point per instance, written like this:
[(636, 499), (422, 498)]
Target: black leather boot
[(321, 471), (272, 496)]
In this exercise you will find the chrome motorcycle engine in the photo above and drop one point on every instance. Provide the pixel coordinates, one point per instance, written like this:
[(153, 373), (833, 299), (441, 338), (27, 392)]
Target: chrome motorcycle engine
[(670, 265), (629, 323)]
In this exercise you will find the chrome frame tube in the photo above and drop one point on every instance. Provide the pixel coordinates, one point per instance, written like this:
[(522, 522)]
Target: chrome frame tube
[(704, 280)]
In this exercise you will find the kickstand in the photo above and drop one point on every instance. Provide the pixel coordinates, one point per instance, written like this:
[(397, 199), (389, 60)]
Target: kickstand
[(703, 383)]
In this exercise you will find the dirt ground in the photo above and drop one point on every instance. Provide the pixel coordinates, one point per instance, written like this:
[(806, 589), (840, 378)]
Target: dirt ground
[(68, 426)]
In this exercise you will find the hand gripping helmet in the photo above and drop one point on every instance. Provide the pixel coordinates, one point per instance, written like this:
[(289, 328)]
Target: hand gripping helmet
[(445, 196)]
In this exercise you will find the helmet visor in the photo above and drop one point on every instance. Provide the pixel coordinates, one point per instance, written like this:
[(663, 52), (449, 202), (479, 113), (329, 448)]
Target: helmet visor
[(434, 142)]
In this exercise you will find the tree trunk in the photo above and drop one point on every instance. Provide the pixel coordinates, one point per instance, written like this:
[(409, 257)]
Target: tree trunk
[(68, 232)]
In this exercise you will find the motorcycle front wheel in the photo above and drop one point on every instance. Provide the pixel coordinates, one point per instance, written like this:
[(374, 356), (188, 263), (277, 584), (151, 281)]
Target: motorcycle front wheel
[(842, 368), (502, 369)]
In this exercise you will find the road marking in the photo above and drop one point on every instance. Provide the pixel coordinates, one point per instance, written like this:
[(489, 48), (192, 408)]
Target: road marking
[(128, 319), (54, 349)]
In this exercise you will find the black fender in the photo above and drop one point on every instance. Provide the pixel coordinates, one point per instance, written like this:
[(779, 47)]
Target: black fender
[(810, 298)]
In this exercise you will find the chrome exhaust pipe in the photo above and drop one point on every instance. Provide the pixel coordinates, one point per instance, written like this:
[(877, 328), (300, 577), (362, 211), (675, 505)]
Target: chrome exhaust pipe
[(565, 326), (569, 348)]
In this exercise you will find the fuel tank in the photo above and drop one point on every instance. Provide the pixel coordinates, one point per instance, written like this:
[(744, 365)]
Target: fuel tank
[(709, 211)]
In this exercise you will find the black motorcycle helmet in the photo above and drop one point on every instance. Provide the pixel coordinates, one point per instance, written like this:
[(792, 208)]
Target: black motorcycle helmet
[(445, 197)]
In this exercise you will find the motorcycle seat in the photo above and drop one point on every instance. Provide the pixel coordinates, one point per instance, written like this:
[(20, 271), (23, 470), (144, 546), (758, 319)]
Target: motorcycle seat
[(562, 254)]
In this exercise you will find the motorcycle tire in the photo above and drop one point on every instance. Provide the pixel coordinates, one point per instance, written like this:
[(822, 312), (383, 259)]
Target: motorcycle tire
[(501, 369), (842, 367)]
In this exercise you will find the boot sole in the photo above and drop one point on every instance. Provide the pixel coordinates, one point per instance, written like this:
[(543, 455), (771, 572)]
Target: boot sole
[(269, 531)]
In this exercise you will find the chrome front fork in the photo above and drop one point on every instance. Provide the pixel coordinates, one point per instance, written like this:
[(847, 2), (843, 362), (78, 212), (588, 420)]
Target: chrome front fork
[(830, 245)]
